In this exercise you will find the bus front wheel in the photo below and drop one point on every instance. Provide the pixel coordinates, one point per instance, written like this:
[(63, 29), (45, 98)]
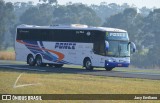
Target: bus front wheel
[(30, 60), (88, 64), (108, 68), (58, 65)]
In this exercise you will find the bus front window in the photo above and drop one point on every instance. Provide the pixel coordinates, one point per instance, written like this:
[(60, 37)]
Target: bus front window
[(118, 49), (124, 50)]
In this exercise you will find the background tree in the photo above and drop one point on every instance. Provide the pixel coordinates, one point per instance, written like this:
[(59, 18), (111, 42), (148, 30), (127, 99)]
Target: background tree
[(76, 13), (145, 11), (6, 17), (152, 39), (37, 15), (105, 10)]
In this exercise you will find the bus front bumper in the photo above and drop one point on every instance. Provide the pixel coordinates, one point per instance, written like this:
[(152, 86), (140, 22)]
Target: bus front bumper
[(116, 64)]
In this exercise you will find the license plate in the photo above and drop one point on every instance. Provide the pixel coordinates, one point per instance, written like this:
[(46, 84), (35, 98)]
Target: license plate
[(119, 65)]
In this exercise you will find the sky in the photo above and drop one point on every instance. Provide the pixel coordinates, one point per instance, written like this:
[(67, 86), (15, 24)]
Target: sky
[(138, 3)]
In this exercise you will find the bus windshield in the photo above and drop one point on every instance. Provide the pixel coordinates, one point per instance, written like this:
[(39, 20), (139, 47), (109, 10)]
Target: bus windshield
[(118, 44), (118, 49)]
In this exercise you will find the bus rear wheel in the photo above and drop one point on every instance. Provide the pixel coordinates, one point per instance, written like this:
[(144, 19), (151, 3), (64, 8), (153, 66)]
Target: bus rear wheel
[(50, 65), (58, 65), (108, 69), (88, 64), (30, 60), (39, 61)]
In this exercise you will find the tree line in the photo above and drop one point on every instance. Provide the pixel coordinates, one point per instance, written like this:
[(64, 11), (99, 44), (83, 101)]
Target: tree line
[(142, 24)]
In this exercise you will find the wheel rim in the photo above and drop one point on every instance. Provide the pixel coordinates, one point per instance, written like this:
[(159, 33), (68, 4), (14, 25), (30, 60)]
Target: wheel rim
[(108, 69), (31, 59), (88, 64), (39, 61)]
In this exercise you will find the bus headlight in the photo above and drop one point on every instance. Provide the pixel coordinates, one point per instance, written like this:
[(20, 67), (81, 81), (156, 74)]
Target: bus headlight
[(109, 60)]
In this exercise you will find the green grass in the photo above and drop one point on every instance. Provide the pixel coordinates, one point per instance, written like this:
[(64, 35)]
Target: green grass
[(58, 83), (9, 49), (12, 62)]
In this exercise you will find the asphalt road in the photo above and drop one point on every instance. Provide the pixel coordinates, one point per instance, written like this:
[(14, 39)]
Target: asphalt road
[(22, 67)]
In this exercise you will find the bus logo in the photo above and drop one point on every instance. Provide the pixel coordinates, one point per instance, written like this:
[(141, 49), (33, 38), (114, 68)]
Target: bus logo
[(65, 45)]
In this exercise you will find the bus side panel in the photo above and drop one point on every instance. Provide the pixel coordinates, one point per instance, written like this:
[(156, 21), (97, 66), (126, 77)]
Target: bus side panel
[(21, 51), (48, 50), (74, 53), (59, 54), (82, 51)]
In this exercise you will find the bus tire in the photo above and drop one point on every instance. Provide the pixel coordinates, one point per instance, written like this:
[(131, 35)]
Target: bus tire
[(50, 65), (108, 68), (58, 65), (88, 64), (39, 61), (30, 60)]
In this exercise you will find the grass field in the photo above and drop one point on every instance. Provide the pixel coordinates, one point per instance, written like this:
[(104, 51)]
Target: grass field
[(58, 83)]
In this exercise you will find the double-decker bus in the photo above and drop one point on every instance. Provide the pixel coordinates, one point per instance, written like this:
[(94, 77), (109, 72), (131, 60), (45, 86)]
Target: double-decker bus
[(76, 44)]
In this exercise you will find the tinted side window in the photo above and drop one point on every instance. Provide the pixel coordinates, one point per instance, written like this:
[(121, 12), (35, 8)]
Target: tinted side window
[(69, 36), (33, 34), (22, 34), (59, 35), (99, 43)]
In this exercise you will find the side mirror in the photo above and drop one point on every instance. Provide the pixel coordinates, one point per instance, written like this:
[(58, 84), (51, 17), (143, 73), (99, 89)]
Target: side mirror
[(107, 45), (132, 46)]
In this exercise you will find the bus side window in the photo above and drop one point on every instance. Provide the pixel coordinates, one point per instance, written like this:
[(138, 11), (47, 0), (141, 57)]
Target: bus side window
[(95, 47), (99, 44), (99, 48)]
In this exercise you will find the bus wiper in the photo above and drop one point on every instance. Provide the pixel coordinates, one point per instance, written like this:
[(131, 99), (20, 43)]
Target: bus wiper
[(124, 56), (116, 55), (119, 49)]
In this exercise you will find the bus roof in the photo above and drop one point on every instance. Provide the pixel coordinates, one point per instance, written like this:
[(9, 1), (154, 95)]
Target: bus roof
[(70, 27)]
